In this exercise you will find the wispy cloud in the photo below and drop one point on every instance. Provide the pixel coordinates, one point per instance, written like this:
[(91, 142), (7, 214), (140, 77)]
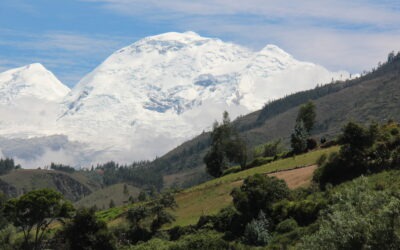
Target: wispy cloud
[(357, 11), (336, 33), (69, 55)]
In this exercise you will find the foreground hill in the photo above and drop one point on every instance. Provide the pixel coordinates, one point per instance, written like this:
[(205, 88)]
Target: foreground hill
[(372, 97)]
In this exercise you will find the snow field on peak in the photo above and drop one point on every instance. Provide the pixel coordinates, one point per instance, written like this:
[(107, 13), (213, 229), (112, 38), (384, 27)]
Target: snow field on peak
[(33, 80), (150, 96)]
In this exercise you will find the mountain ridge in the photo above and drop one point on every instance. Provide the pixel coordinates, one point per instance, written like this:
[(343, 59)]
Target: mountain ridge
[(154, 94)]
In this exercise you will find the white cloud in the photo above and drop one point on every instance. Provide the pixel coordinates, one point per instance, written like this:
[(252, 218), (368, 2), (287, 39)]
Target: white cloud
[(338, 34), (358, 11)]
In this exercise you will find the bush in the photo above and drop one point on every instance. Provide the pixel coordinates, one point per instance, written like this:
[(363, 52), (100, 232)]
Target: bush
[(272, 149), (202, 240), (256, 232), (359, 218), (286, 226), (155, 243), (304, 212), (232, 170), (260, 161), (257, 193), (7, 238), (86, 232), (177, 232), (311, 144), (328, 144)]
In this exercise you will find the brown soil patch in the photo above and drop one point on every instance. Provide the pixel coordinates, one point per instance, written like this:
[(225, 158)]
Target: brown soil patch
[(294, 178), (297, 177)]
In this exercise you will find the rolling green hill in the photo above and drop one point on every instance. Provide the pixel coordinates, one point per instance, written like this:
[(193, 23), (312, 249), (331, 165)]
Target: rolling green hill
[(101, 198)]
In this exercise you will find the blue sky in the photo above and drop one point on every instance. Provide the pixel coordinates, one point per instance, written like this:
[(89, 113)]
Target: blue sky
[(71, 37)]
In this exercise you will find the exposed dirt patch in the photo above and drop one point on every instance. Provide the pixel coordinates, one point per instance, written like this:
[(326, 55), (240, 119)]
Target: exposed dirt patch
[(295, 178)]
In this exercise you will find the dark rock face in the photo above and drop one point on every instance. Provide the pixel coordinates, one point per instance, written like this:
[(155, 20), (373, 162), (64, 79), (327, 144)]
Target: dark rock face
[(70, 188)]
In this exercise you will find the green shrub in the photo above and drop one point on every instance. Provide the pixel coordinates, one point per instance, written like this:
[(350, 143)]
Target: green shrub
[(210, 240), (359, 218), (286, 226), (7, 238), (260, 161), (256, 232), (176, 232), (232, 170), (86, 232), (154, 244), (304, 212), (311, 144)]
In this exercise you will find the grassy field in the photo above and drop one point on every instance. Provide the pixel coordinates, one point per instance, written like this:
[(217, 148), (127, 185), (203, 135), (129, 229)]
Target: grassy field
[(284, 164), (102, 197), (210, 197)]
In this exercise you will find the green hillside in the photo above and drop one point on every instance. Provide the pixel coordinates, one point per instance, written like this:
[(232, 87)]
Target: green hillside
[(72, 186), (372, 97), (102, 197), (210, 197)]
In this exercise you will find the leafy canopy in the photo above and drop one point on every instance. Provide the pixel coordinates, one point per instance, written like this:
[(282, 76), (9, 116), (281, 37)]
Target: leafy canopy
[(35, 211)]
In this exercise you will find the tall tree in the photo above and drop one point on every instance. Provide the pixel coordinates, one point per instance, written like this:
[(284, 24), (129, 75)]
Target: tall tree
[(298, 139), (35, 211), (226, 147), (307, 115)]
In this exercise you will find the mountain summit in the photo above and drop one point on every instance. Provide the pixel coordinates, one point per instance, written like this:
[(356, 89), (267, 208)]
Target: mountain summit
[(31, 81), (150, 96)]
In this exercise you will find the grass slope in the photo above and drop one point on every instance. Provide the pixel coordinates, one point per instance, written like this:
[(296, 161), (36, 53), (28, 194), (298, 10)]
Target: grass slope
[(72, 186), (210, 197), (102, 197)]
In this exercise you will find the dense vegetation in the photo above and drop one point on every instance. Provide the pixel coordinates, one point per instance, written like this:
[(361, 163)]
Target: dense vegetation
[(137, 174), (364, 151), (7, 165)]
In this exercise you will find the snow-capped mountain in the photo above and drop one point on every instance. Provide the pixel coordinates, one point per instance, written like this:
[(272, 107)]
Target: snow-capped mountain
[(152, 95), (148, 97), (30, 99), (31, 81)]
